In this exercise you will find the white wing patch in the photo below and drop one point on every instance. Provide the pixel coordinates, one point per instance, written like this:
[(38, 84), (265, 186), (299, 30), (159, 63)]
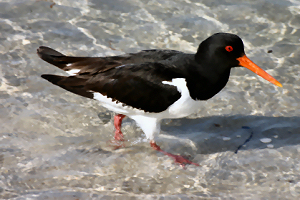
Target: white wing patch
[(73, 72), (120, 66)]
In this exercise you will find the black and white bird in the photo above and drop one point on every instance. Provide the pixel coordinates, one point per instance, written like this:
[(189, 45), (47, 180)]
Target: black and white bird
[(152, 85)]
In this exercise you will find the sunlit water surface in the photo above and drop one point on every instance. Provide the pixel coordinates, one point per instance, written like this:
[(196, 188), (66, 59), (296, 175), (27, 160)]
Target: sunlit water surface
[(53, 144)]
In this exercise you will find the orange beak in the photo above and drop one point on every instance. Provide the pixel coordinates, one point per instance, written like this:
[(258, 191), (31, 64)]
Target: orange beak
[(246, 62)]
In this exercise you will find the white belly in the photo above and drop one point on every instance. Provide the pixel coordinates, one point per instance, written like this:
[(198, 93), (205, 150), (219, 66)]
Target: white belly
[(150, 122), (183, 107)]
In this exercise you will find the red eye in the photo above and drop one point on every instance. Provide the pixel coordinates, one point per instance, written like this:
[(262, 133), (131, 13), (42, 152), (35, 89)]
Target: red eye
[(229, 48)]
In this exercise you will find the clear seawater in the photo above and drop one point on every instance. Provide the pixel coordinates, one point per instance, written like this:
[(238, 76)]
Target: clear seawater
[(53, 144)]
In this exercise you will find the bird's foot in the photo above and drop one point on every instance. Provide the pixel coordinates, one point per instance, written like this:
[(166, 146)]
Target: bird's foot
[(181, 160), (118, 141), (116, 144), (118, 123), (119, 136)]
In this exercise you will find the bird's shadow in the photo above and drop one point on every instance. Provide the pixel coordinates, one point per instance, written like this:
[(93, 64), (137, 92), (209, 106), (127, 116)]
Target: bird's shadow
[(213, 134)]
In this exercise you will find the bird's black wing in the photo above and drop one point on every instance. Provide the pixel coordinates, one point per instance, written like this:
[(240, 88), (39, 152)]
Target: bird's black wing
[(138, 85)]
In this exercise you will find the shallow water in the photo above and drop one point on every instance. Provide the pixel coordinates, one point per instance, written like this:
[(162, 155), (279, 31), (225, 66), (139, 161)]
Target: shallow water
[(53, 144)]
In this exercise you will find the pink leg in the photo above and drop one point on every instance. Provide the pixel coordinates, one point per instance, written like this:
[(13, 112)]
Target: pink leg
[(178, 159), (118, 122)]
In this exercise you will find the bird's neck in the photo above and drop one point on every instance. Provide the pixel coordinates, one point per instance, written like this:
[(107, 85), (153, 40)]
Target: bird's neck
[(205, 83)]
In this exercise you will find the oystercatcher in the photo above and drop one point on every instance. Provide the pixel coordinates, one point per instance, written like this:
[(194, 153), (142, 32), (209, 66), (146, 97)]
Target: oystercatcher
[(152, 85)]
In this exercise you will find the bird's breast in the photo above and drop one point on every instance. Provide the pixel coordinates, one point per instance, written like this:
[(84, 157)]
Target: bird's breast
[(185, 105)]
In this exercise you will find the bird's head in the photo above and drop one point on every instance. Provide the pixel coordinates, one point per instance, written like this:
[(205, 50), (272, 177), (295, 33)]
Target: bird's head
[(224, 51)]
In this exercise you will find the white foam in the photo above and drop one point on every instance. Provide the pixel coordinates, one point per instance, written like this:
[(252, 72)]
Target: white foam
[(226, 138), (24, 42), (266, 140)]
